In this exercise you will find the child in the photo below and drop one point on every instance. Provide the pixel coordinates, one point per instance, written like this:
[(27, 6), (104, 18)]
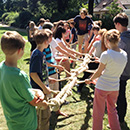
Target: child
[(32, 29), (39, 75), (121, 23), (95, 30), (16, 95), (112, 64), (73, 35), (67, 33), (82, 22), (41, 22), (97, 46)]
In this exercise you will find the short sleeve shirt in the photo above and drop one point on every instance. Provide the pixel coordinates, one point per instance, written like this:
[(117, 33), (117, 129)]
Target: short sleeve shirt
[(115, 63), (38, 65), (82, 24), (98, 50), (15, 95)]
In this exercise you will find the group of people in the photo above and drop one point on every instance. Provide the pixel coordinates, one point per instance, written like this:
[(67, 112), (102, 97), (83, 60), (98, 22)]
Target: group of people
[(50, 53)]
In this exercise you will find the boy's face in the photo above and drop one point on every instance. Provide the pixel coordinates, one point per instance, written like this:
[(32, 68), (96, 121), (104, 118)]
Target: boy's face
[(117, 26), (82, 16)]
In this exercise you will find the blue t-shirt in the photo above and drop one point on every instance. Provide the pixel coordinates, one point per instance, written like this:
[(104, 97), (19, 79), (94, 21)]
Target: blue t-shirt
[(49, 58), (73, 31), (82, 24), (38, 65)]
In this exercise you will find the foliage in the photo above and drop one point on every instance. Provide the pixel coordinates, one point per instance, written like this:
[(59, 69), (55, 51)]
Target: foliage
[(23, 19), (10, 17), (107, 19), (84, 6), (114, 8)]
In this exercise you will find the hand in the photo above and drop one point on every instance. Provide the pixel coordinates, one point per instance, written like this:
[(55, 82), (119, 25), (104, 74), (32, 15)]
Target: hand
[(87, 81), (55, 92), (60, 68), (52, 80), (45, 105)]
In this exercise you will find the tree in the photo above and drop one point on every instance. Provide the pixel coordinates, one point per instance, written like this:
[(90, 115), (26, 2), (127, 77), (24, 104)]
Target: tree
[(114, 8), (62, 5), (90, 6)]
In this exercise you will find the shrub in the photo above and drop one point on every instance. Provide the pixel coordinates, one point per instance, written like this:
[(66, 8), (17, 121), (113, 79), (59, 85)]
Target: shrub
[(9, 17), (23, 19)]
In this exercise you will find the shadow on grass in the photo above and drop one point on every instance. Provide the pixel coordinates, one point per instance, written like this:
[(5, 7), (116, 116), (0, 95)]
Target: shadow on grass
[(85, 95)]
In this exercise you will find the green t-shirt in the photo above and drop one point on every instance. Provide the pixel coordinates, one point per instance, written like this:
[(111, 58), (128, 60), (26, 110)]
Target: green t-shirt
[(15, 95)]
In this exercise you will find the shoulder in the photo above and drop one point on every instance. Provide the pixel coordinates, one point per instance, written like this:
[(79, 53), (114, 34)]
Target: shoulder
[(36, 53), (88, 18), (123, 52), (105, 53), (53, 43), (58, 40), (77, 17)]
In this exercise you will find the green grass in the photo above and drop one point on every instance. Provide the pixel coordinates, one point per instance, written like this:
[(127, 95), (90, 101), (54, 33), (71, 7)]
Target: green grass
[(79, 109)]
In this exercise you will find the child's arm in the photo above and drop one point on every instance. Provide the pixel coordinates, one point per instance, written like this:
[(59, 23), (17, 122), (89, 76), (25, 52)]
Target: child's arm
[(69, 50), (63, 51), (38, 99), (97, 74), (57, 66), (41, 103), (91, 50), (38, 81), (72, 37)]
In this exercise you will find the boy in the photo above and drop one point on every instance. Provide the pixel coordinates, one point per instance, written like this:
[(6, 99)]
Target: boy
[(121, 23), (16, 95), (39, 75), (82, 22), (73, 35)]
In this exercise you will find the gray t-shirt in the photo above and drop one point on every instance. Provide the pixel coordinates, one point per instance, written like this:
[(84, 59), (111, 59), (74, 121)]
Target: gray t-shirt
[(115, 63), (98, 50)]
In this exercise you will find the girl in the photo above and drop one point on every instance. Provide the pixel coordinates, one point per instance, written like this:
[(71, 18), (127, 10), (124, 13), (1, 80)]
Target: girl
[(112, 64), (59, 35)]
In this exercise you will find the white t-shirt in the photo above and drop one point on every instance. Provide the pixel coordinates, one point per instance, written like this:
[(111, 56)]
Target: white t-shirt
[(53, 45), (115, 63), (60, 40), (98, 50)]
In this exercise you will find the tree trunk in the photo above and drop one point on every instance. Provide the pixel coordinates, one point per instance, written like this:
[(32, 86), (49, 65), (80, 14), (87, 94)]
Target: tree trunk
[(90, 7)]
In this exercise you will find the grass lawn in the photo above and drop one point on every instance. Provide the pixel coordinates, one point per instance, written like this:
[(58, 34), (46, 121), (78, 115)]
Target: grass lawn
[(79, 108)]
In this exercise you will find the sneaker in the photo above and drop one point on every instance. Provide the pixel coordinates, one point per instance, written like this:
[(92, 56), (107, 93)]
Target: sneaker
[(108, 126), (61, 113)]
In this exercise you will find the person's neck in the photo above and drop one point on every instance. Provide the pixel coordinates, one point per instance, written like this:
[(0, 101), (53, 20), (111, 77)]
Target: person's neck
[(11, 61), (115, 48), (123, 29), (40, 47)]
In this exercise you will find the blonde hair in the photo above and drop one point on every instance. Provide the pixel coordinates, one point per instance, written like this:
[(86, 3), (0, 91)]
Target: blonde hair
[(103, 47), (113, 36), (101, 31), (11, 41), (84, 11)]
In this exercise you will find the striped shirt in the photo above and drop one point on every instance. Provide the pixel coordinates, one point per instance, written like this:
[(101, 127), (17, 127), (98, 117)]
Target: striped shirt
[(49, 58)]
